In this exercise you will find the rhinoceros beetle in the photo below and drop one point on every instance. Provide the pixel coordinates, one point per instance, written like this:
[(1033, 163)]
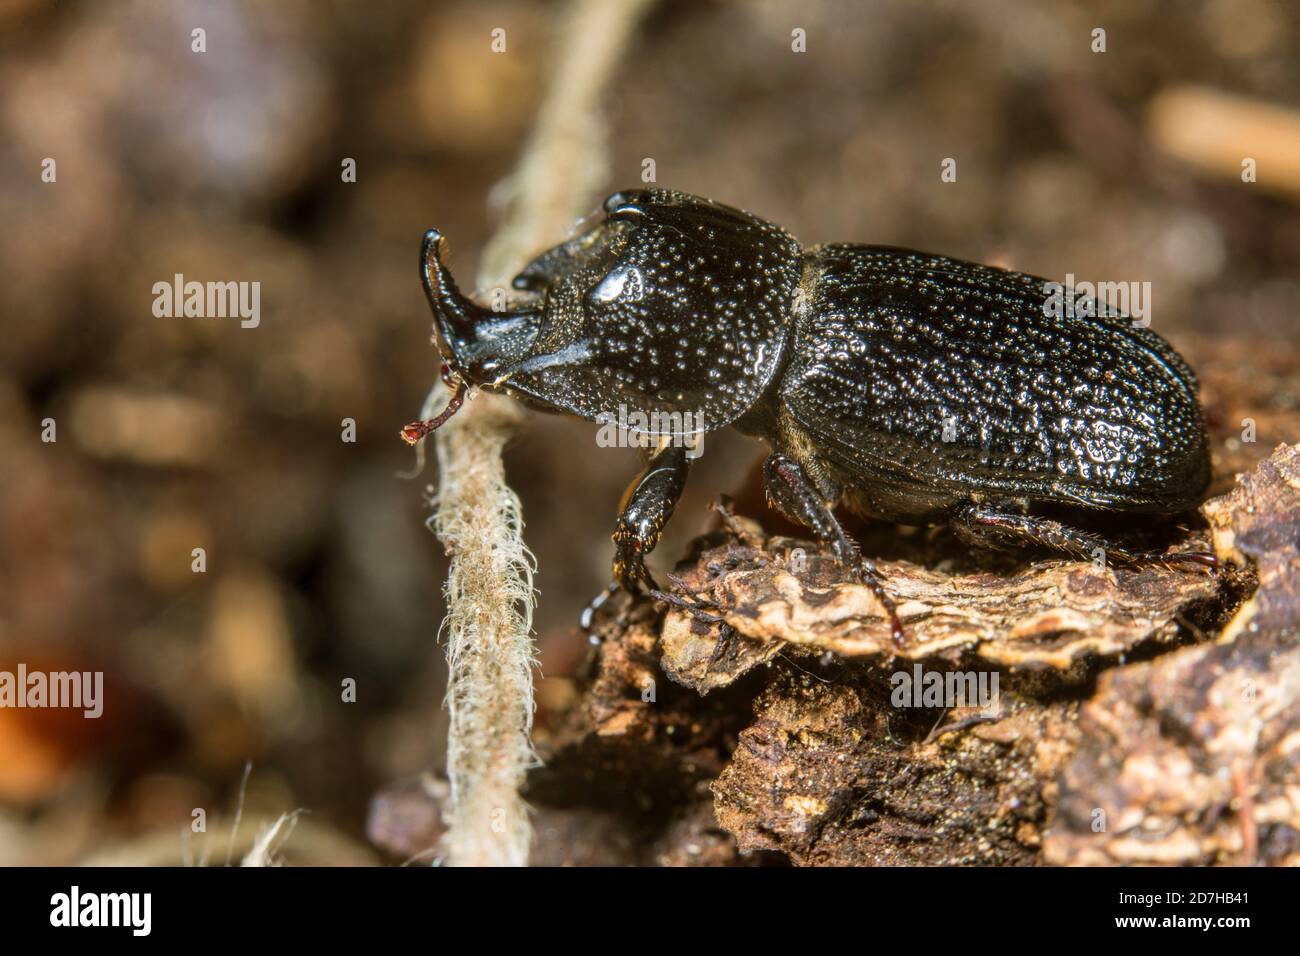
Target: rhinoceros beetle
[(908, 387)]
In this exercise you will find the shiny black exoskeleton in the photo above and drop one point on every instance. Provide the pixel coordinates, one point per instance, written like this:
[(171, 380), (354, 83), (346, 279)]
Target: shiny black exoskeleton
[(909, 387)]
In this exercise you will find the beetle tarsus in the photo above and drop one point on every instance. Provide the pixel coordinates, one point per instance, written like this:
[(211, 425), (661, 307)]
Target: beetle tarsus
[(724, 648), (589, 612), (1206, 559), (872, 578), (587, 621), (692, 605)]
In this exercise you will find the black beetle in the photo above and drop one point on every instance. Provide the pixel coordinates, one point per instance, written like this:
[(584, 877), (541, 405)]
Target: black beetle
[(909, 387)]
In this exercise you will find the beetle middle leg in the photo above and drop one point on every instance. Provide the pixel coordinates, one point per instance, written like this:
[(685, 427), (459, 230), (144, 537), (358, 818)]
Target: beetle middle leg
[(1001, 526), (792, 492)]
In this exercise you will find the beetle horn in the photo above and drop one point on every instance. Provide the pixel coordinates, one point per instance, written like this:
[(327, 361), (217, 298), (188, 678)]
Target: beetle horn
[(456, 315)]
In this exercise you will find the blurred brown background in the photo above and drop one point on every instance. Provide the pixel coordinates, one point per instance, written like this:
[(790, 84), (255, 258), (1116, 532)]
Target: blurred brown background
[(177, 433)]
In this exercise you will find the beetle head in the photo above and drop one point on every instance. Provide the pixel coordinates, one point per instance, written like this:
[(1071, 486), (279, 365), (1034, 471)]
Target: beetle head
[(668, 304)]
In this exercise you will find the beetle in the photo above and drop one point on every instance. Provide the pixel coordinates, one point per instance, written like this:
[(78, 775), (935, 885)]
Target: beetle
[(907, 387)]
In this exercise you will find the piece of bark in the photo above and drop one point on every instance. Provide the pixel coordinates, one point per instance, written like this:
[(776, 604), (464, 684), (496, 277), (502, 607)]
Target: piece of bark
[(1191, 759), (1121, 702), (1195, 757), (1259, 521), (823, 777), (1049, 614)]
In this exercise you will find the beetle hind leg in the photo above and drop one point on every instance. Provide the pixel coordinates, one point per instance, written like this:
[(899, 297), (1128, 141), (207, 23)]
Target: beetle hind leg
[(792, 492), (990, 525)]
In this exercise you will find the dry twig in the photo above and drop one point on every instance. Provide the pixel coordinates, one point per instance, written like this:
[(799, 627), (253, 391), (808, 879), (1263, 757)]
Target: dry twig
[(489, 588)]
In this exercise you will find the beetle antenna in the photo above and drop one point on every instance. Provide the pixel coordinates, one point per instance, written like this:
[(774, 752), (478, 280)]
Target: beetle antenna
[(413, 432)]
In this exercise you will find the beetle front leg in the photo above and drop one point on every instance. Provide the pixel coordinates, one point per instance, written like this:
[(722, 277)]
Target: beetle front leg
[(647, 505), (792, 492)]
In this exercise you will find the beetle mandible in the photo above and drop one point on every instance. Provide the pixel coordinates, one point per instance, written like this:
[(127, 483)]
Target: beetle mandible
[(908, 387)]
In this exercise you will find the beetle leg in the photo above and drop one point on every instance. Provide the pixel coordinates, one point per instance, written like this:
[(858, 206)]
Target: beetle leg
[(791, 491), (589, 613), (999, 527), (647, 505)]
